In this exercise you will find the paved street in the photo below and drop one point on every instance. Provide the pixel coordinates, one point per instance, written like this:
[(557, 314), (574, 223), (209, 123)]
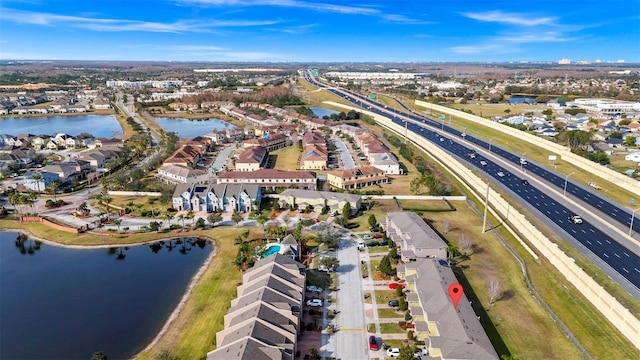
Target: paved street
[(347, 160), (350, 342), (222, 157)]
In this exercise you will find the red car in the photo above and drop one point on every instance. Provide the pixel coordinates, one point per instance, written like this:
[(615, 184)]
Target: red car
[(377, 236), (394, 286), (373, 343), (316, 220)]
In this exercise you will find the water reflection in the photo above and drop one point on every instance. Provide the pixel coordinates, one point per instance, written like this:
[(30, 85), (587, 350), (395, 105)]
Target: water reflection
[(115, 303)]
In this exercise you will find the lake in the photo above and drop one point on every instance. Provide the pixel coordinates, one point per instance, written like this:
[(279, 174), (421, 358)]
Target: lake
[(62, 303), (187, 128), (97, 125), (321, 112)]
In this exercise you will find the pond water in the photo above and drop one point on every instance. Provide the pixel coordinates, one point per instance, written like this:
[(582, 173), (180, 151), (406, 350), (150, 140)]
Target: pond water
[(321, 112), (97, 125), (61, 303), (187, 128)]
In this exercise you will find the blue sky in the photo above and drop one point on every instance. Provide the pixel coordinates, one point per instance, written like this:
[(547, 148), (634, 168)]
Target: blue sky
[(320, 31)]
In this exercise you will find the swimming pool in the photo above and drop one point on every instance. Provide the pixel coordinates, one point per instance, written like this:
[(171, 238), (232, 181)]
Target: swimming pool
[(271, 249)]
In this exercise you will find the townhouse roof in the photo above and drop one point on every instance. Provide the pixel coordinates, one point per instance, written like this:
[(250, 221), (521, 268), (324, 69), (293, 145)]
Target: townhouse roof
[(252, 155), (415, 231), (267, 174), (248, 348), (461, 335), (182, 171), (357, 172), (327, 195), (387, 158), (258, 329), (281, 316)]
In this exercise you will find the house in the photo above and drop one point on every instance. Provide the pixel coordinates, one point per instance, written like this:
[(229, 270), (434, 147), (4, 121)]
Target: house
[(187, 155), (634, 156), (386, 162), (263, 321), (414, 236), (314, 157), (216, 197), (319, 200), (39, 180), (357, 178), (252, 159), (179, 174), (24, 157), (270, 178), (39, 142), (65, 171)]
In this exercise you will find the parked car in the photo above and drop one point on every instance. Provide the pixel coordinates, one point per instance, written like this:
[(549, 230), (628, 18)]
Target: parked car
[(367, 237), (394, 285), (314, 289), (374, 243), (373, 343), (393, 352), (361, 245), (314, 302), (374, 229), (394, 303), (377, 236), (576, 219), (420, 352)]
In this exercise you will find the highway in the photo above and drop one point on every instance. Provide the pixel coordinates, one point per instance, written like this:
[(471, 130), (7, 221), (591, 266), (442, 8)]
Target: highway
[(616, 260)]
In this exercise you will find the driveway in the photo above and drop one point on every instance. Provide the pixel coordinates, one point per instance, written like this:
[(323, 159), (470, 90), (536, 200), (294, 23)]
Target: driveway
[(347, 160)]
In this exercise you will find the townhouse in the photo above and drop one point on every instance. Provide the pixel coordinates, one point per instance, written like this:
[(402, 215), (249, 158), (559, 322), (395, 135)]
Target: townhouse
[(216, 197), (270, 142), (263, 321), (186, 155), (270, 178), (318, 200), (179, 174), (448, 332), (357, 178), (314, 154), (252, 159)]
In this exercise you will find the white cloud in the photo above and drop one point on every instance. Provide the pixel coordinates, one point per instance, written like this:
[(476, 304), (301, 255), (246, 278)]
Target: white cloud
[(511, 18), (117, 25), (548, 36), (404, 20), (343, 9), (483, 49), (193, 48)]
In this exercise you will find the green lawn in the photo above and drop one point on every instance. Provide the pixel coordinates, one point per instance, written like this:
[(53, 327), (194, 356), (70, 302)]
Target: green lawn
[(286, 158), (390, 313), (391, 328)]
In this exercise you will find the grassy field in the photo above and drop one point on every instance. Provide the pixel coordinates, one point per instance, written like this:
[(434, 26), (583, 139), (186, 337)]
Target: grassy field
[(389, 313), (286, 158)]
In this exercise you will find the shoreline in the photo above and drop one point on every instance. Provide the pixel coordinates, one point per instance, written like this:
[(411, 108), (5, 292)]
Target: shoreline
[(173, 315), (27, 116)]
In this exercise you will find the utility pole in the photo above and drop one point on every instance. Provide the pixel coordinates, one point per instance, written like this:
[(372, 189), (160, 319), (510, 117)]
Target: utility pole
[(405, 131)]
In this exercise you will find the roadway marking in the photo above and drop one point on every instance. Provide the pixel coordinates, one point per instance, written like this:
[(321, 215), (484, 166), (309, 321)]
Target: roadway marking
[(593, 231), (616, 255), (598, 241), (608, 242), (625, 270), (636, 269), (589, 242), (626, 254), (605, 254)]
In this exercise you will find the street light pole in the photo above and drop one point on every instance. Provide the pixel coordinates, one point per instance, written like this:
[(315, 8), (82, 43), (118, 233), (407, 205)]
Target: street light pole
[(633, 215), (486, 205), (490, 140), (566, 179)]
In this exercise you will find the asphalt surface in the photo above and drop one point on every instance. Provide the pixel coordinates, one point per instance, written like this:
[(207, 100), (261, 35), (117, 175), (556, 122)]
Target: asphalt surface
[(598, 243), (347, 159)]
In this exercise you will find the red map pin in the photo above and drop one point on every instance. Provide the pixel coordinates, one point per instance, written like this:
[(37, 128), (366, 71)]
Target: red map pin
[(455, 292)]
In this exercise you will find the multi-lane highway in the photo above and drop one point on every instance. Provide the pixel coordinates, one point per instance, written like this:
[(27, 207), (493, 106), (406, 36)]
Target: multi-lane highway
[(608, 251)]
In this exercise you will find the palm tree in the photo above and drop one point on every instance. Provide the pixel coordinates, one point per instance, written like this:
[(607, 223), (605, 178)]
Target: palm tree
[(52, 189), (190, 215), (168, 217), (117, 222), (181, 218), (106, 199), (37, 177), (452, 252)]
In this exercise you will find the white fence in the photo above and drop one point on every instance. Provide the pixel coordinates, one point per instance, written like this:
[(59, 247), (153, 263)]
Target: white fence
[(133, 193)]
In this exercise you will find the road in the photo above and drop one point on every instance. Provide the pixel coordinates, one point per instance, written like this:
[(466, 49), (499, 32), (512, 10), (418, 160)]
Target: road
[(347, 160), (607, 249), (222, 157)]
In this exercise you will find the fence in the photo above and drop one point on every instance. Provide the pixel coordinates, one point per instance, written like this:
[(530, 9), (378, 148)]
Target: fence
[(619, 316)]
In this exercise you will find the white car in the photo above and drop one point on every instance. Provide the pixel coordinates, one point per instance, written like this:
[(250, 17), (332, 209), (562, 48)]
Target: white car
[(576, 219), (314, 289), (500, 173), (420, 352), (483, 163), (393, 352), (314, 302)]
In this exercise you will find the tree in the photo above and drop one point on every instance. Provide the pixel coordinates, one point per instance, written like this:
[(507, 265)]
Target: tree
[(385, 266), (329, 236), (402, 304), (190, 215), (83, 209), (406, 353), (465, 244), (117, 222), (331, 263), (446, 225), (199, 223), (154, 226), (494, 291), (166, 355), (151, 201), (168, 217), (213, 218), (236, 217), (575, 138), (37, 177), (452, 252), (346, 211), (372, 220)]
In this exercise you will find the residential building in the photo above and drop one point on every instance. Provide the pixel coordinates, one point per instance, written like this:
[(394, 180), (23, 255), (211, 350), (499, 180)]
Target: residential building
[(386, 162), (263, 321), (270, 178), (65, 171), (39, 180), (314, 157), (270, 142), (633, 156), (414, 236), (179, 174), (187, 155), (252, 159), (319, 200), (216, 197), (357, 178)]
